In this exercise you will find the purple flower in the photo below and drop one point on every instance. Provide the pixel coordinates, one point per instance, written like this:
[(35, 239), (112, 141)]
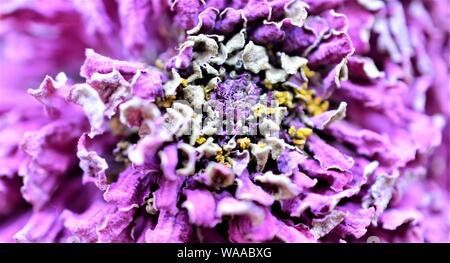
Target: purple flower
[(224, 121)]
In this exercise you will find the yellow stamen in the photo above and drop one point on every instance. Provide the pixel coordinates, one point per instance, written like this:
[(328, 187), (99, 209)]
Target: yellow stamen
[(284, 98), (325, 105), (184, 82), (200, 140), (299, 135), (308, 72), (244, 143), (317, 106), (299, 142), (220, 158), (304, 93), (304, 132)]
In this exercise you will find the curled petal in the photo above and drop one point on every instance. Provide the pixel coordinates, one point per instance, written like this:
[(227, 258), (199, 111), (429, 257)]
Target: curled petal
[(291, 234), (255, 58), (166, 197), (187, 164), (186, 12), (328, 156), (292, 64), (289, 161), (247, 190), (170, 229), (135, 111), (101, 222), (332, 80), (206, 20), (50, 156), (169, 161), (324, 119), (317, 203), (48, 95), (366, 142), (240, 161), (130, 190), (218, 175), (201, 207), (268, 33), (93, 106), (147, 85), (112, 88), (243, 229), (229, 206), (336, 178), (96, 63), (256, 9), (380, 193), (283, 187), (94, 167), (323, 226), (230, 18), (394, 218), (363, 68), (356, 222), (332, 50), (145, 151)]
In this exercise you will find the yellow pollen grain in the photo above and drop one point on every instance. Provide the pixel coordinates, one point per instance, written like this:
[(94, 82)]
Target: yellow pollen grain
[(299, 142), (220, 158), (304, 93), (304, 132), (284, 98), (325, 105), (317, 106), (184, 82), (200, 140), (299, 135), (308, 72), (244, 143)]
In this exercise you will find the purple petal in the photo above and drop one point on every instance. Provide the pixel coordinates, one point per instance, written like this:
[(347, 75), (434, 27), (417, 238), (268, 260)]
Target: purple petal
[(247, 190), (328, 156), (166, 197), (201, 207), (170, 229)]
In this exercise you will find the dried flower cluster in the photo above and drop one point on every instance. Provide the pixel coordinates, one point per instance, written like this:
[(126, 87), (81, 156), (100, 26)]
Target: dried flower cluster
[(224, 121)]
